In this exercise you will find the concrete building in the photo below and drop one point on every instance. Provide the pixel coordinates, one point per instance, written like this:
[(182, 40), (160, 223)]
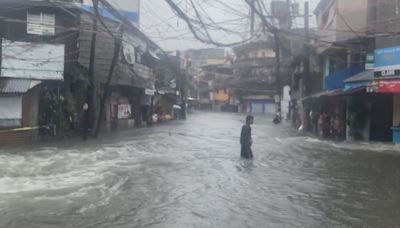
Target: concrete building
[(254, 68), (45, 61), (351, 93), (38, 48)]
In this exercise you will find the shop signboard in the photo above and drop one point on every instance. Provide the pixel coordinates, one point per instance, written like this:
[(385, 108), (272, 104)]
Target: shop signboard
[(149, 92), (389, 86), (387, 62), (384, 86)]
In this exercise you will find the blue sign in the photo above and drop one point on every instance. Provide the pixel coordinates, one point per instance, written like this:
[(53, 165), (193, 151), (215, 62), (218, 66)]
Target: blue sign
[(387, 61), (128, 8)]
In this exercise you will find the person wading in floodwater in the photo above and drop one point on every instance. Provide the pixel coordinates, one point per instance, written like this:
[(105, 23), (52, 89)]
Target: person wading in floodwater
[(245, 139)]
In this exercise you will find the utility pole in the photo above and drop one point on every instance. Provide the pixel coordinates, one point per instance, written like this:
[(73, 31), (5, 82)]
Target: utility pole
[(306, 74), (278, 70), (252, 20), (92, 79), (181, 85), (117, 50), (306, 45)]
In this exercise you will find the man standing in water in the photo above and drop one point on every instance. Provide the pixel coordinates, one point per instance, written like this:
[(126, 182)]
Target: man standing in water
[(245, 139)]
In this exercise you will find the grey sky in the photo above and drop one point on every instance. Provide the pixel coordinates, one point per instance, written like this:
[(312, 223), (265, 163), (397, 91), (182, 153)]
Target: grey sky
[(171, 33)]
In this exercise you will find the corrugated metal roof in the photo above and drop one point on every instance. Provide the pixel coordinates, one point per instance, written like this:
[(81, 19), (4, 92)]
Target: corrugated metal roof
[(8, 85), (363, 76)]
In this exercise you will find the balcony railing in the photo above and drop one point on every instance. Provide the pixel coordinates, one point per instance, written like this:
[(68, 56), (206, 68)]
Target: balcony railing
[(336, 80)]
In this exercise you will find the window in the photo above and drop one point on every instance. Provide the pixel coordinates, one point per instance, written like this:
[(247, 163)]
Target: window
[(41, 24), (10, 111)]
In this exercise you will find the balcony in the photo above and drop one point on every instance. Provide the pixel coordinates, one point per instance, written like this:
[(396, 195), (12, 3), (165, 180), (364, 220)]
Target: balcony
[(336, 80)]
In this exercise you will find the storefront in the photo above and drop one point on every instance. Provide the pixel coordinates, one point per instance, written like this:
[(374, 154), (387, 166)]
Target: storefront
[(22, 83), (120, 112), (385, 89)]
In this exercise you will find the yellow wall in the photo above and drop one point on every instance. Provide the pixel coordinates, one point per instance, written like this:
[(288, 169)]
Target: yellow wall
[(215, 61), (221, 95)]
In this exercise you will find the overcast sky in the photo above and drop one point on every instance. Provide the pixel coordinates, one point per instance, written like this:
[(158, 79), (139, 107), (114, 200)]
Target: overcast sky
[(171, 33)]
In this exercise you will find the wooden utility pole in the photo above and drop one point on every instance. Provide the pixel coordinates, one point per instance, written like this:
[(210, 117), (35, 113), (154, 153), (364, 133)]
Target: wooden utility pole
[(117, 50), (252, 19), (306, 73), (278, 70), (181, 85), (306, 45), (92, 79)]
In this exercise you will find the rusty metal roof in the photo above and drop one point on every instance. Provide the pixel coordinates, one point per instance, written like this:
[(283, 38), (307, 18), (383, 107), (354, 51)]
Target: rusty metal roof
[(11, 85)]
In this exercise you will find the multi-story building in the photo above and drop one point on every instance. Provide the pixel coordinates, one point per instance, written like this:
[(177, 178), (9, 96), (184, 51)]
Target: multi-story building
[(45, 65), (199, 65), (347, 34), (38, 50), (254, 67)]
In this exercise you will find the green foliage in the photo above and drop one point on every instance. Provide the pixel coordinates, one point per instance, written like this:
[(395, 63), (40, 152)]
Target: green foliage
[(58, 111)]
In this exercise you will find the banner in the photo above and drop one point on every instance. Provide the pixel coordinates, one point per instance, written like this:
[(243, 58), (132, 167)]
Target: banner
[(392, 86), (128, 8), (384, 86)]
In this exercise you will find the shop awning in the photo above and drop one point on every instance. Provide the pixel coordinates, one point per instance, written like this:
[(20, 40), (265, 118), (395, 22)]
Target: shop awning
[(360, 80), (17, 86), (363, 76), (354, 90), (324, 94)]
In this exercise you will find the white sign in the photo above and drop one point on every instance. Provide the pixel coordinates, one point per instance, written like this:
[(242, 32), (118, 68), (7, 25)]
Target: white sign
[(149, 92), (124, 111), (32, 60), (386, 73), (129, 53), (41, 24)]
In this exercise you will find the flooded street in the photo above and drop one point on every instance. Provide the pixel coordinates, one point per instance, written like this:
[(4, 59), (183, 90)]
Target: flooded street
[(189, 174)]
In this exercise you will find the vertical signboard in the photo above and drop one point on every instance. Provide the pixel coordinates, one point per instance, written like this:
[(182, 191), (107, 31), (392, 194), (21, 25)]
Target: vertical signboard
[(369, 63), (128, 8)]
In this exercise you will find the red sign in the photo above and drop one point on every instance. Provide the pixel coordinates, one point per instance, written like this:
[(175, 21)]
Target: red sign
[(389, 86), (384, 86)]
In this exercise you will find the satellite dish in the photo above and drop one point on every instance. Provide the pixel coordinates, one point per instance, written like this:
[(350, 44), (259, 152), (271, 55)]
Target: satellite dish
[(129, 53)]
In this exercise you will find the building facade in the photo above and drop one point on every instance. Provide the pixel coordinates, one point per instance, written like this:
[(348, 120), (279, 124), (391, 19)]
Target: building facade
[(46, 82)]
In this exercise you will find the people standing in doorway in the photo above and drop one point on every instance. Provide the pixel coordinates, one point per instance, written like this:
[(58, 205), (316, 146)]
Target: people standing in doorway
[(338, 127), (321, 120), (246, 140)]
